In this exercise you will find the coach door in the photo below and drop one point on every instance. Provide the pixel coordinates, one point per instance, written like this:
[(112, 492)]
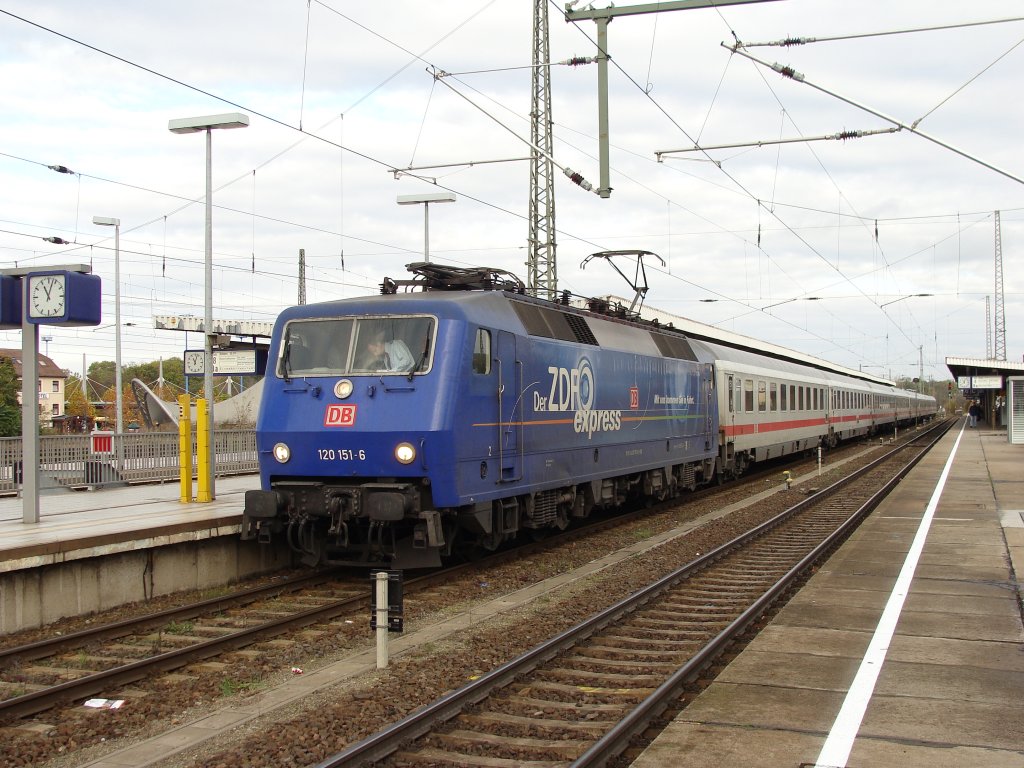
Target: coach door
[(708, 385), (510, 408)]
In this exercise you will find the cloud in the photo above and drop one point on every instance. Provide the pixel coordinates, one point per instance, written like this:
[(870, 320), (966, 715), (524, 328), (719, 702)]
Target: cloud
[(751, 227)]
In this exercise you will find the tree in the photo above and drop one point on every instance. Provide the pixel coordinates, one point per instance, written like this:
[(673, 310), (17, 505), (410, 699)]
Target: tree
[(76, 407), (10, 410)]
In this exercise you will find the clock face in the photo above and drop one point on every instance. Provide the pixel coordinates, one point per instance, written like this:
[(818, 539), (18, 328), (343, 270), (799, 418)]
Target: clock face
[(195, 361), (47, 296)]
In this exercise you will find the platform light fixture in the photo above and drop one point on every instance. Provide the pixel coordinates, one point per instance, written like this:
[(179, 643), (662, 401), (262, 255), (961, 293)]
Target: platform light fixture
[(425, 200), (107, 221), (208, 124)]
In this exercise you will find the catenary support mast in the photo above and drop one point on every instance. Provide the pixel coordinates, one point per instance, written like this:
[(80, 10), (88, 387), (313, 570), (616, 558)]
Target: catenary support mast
[(1000, 345), (542, 272)]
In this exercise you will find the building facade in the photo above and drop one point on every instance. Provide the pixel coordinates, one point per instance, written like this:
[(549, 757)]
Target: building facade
[(50, 396)]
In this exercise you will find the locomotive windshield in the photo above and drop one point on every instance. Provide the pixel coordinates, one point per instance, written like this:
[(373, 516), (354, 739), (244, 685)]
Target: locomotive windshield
[(354, 346)]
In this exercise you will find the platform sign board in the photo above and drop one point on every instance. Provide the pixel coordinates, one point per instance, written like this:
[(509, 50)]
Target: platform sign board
[(227, 362), (986, 382), (234, 362)]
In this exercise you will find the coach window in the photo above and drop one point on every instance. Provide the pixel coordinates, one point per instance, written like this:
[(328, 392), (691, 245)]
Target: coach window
[(732, 404), (482, 351), (815, 395), (773, 397), (800, 393), (782, 404), (748, 395), (762, 399)]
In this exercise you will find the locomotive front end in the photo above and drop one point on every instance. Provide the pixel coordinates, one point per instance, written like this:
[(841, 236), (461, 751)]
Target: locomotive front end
[(345, 425)]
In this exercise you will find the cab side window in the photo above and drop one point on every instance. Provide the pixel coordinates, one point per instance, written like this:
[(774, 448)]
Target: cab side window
[(482, 351)]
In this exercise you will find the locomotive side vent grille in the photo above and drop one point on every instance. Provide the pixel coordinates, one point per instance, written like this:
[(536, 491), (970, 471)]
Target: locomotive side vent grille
[(552, 324), (673, 346), (581, 329)]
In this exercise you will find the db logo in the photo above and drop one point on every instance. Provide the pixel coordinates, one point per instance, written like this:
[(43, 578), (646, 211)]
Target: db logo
[(634, 398), (340, 415)]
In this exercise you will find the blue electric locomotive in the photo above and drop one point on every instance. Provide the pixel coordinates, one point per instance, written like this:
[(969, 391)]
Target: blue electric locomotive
[(458, 412)]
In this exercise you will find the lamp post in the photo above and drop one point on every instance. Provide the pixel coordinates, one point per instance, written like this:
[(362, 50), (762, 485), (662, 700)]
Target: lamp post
[(106, 221), (426, 200), (194, 125)]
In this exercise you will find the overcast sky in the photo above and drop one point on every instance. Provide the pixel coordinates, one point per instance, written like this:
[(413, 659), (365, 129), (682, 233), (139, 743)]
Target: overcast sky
[(339, 94)]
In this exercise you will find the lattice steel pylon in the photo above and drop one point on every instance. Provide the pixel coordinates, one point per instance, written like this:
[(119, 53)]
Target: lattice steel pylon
[(541, 267), (302, 276), (1000, 343)]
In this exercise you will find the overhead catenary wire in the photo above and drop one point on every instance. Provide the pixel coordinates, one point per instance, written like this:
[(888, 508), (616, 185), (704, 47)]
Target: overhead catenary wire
[(844, 135), (798, 77), (739, 185), (843, 213), (792, 41), (574, 176)]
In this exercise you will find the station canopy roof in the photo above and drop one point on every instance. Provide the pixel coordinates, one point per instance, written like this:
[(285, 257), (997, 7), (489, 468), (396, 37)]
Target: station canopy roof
[(980, 373)]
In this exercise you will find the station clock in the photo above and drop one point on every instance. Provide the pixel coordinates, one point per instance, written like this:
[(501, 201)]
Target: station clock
[(63, 298)]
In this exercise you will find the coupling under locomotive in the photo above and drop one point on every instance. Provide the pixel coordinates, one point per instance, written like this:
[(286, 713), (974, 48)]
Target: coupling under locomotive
[(459, 412)]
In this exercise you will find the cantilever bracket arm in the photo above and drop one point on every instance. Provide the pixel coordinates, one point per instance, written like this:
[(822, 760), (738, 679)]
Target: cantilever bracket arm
[(640, 288)]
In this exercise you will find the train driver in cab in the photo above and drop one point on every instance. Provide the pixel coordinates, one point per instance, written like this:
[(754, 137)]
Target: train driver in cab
[(382, 355)]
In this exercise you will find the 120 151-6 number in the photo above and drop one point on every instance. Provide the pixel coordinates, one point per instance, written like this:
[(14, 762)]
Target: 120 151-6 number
[(342, 454)]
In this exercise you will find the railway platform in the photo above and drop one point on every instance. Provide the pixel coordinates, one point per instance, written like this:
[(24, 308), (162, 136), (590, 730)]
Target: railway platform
[(93, 523), (905, 648), (98, 549)]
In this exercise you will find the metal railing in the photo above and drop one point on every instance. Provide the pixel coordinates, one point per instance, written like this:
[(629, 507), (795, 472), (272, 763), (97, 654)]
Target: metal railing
[(71, 461)]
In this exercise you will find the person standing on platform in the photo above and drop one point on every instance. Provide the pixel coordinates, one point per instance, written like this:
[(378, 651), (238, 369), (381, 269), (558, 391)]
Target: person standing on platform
[(972, 414)]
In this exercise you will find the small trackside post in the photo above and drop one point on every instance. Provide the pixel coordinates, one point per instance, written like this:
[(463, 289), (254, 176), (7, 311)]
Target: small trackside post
[(185, 448), (381, 586)]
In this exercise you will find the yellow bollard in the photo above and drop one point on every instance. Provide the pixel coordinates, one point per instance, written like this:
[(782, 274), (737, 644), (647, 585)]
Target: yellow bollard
[(202, 451), (788, 477), (185, 448)]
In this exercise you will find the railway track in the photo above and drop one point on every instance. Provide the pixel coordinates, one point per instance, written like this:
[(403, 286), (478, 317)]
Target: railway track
[(579, 698), (74, 654), (103, 657)]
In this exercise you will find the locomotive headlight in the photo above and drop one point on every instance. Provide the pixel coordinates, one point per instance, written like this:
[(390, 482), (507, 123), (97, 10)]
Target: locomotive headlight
[(282, 453), (405, 453), (343, 388)]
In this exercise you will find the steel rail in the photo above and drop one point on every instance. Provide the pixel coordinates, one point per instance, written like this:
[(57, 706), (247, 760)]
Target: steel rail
[(387, 741), (59, 644), (617, 739), (37, 701)]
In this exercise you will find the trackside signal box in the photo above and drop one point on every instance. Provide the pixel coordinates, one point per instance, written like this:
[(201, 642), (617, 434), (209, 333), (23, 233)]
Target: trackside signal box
[(395, 601)]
